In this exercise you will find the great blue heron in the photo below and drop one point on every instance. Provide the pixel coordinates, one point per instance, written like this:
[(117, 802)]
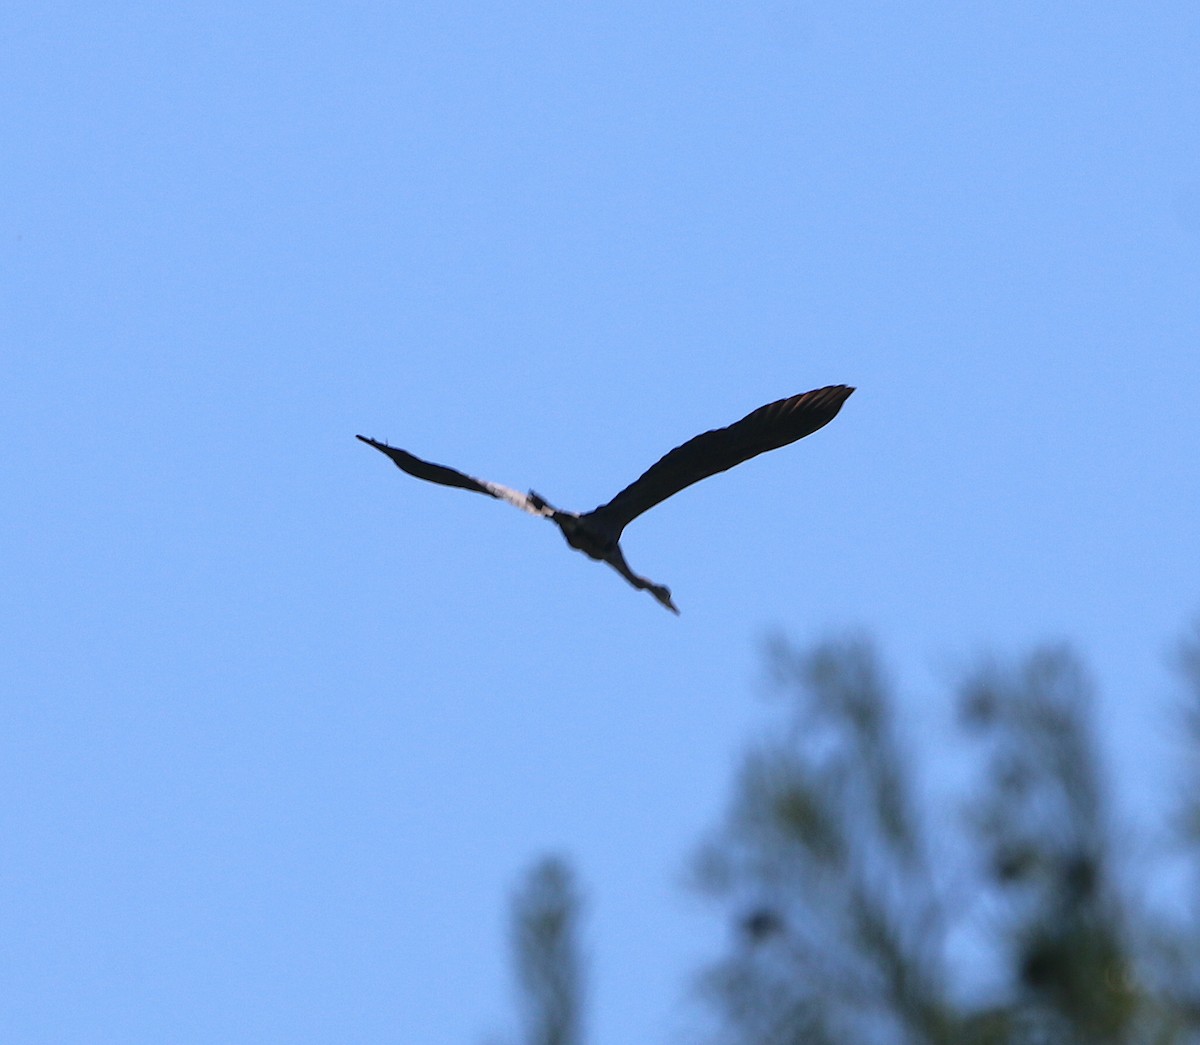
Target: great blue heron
[(597, 533)]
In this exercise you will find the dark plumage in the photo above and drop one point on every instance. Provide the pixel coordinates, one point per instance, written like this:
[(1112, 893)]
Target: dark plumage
[(597, 533)]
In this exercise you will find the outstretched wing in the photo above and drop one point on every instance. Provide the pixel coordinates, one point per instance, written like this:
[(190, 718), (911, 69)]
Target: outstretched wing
[(767, 428), (437, 473)]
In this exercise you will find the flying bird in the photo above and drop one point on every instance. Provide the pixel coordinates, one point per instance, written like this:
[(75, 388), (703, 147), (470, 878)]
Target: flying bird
[(598, 533)]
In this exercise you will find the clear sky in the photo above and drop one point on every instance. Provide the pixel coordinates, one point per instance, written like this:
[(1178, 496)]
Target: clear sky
[(281, 727)]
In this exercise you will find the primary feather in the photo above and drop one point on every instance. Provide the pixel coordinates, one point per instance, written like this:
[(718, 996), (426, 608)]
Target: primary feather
[(767, 428), (439, 473)]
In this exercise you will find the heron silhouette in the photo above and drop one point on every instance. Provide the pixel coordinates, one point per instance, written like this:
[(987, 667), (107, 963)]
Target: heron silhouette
[(598, 533)]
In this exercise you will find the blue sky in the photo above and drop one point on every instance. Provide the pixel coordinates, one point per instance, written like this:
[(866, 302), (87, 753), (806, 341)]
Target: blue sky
[(281, 726)]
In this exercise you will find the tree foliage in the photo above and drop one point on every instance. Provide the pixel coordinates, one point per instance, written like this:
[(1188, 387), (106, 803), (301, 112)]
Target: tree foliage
[(862, 912), (545, 919), (845, 918)]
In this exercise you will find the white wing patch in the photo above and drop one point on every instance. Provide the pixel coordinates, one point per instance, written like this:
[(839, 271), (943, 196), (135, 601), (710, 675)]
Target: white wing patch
[(516, 498)]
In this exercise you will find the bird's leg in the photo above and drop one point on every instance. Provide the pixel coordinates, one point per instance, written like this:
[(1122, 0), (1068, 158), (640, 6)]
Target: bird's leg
[(616, 559)]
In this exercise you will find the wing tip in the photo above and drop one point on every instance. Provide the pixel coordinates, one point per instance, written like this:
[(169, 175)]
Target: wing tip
[(834, 395)]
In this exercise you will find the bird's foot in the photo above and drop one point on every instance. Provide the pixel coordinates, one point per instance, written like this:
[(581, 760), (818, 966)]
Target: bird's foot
[(663, 594)]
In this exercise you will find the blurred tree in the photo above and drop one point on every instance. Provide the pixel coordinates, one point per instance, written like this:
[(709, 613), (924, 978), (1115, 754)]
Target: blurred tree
[(1189, 663), (823, 861), (545, 924), (1180, 953), (842, 918), (1064, 931)]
